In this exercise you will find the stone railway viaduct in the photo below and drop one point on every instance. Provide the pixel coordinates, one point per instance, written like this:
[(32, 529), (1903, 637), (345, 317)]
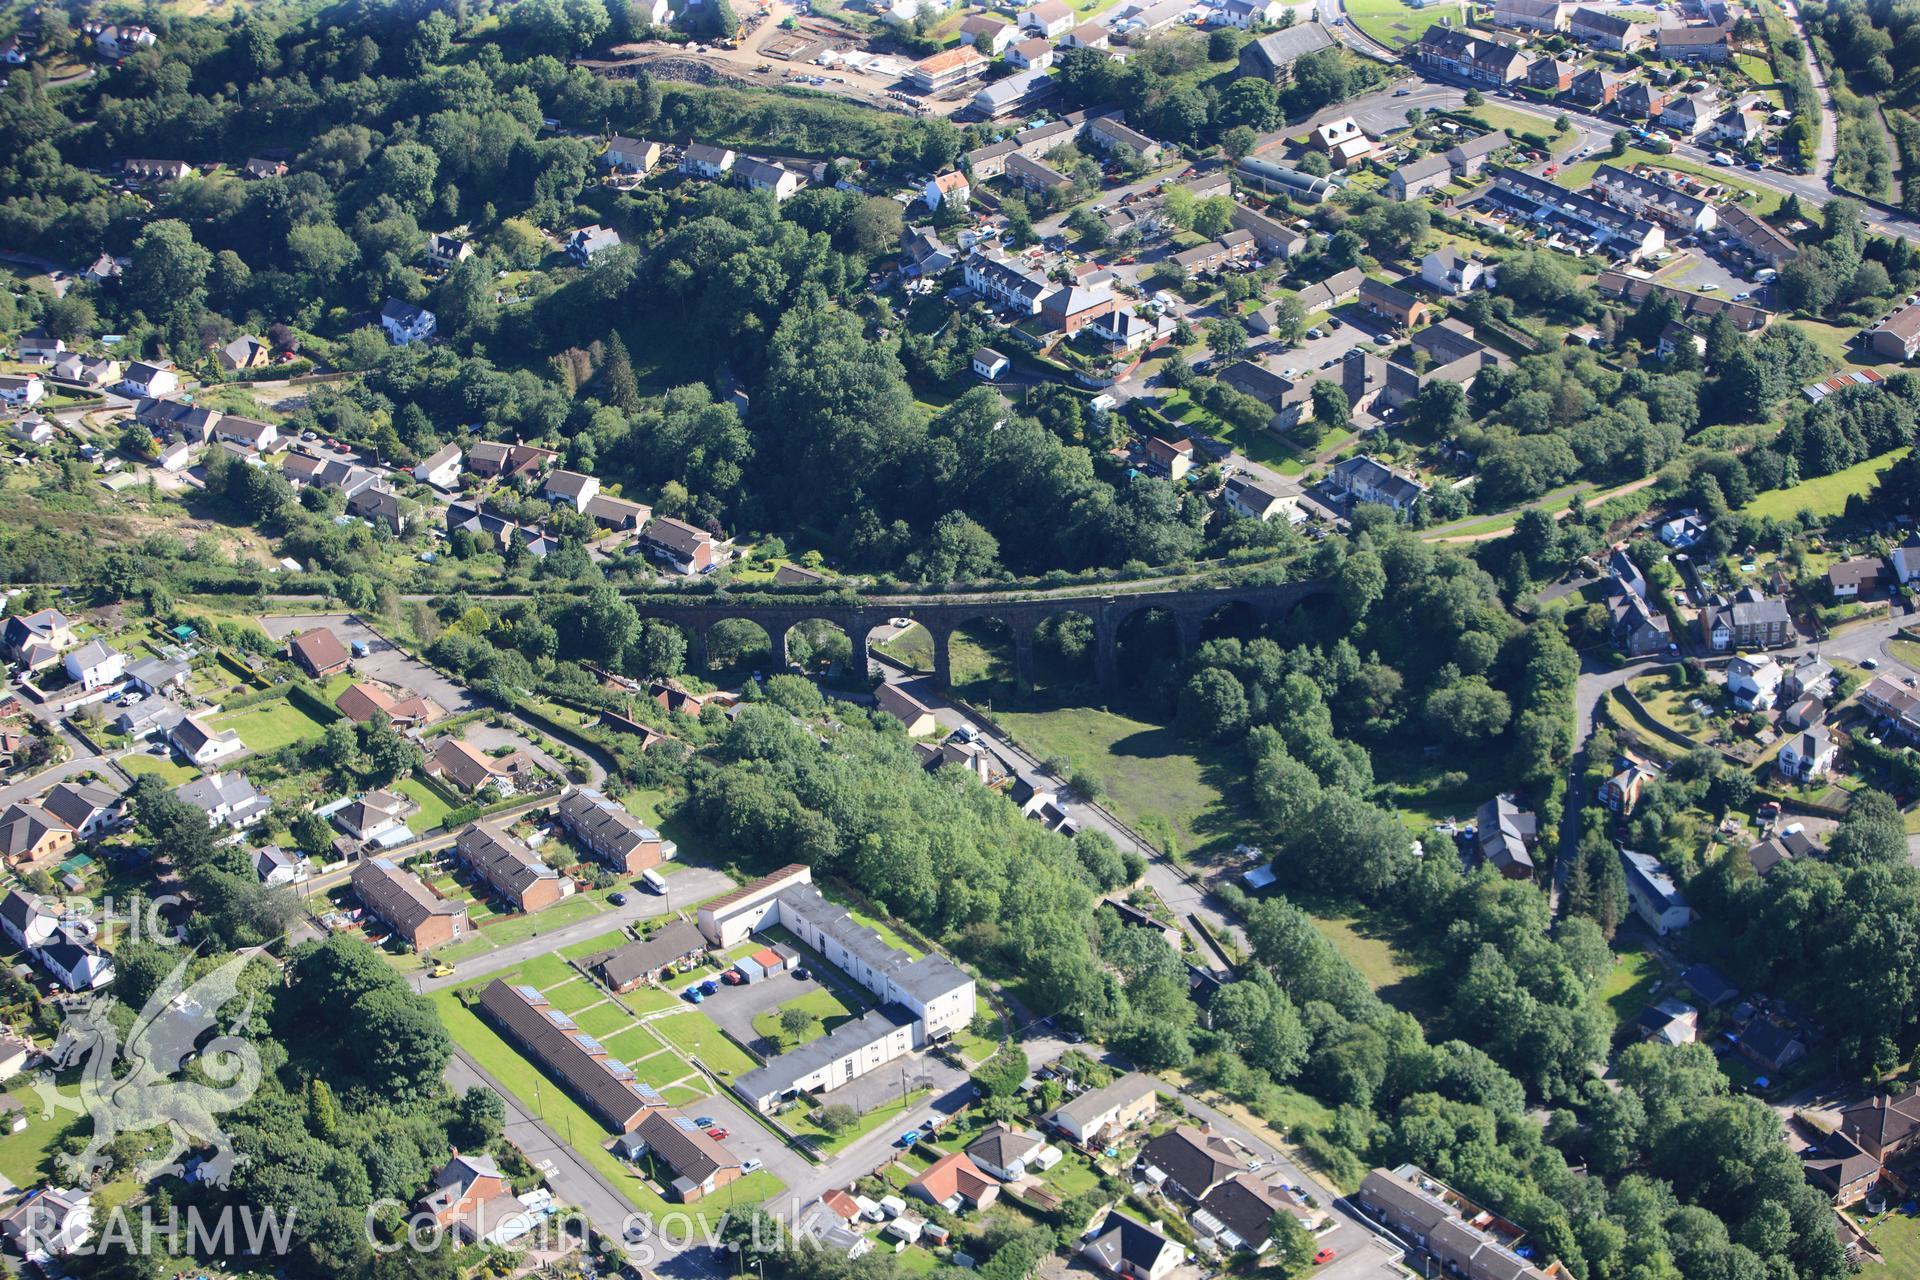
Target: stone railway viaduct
[(1021, 614)]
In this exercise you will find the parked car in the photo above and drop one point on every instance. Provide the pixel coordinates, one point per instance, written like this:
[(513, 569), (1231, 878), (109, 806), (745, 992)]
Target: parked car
[(719, 1133), (708, 987), (749, 1166), (617, 899), (705, 1122)]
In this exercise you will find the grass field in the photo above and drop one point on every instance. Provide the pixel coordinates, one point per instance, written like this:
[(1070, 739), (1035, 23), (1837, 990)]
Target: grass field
[(169, 770), (1630, 985), (1897, 1236), (1822, 495), (1907, 651), (518, 928), (26, 1157), (825, 1008), (695, 1035), (433, 810), (1156, 779), (271, 725), (1397, 24)]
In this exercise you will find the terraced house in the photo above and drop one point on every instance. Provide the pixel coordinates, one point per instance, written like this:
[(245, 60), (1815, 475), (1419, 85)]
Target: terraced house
[(610, 833), (513, 871)]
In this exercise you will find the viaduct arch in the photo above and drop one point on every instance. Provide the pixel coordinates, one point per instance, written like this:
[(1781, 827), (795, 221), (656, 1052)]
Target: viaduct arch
[(1022, 616)]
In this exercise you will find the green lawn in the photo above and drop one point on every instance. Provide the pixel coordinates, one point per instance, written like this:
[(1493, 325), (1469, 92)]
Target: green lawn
[(1397, 24), (697, 1036), (825, 1008), (608, 941), (571, 997), (169, 770), (1822, 495), (1897, 1236), (914, 646), (433, 810), (877, 1118), (1156, 780), (25, 1158), (1907, 651), (520, 927), (1630, 985), (540, 973), (634, 1042), (271, 725), (1381, 949), (542, 1096)]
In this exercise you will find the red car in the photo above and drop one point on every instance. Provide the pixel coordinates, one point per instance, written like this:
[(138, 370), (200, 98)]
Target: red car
[(1323, 1257), (732, 978), (718, 1133), (1550, 170)]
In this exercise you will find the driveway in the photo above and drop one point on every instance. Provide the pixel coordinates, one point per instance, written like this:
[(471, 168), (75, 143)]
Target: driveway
[(385, 661), (735, 1008)]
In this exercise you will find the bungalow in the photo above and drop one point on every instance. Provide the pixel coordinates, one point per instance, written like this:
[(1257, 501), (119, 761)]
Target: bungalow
[(29, 834), (1807, 756), (1001, 1150), (955, 1183), (87, 810), (405, 323), (262, 167), (201, 745), (1794, 843), (1123, 1247), (690, 1161), (473, 1199), (470, 770), (989, 364), (1091, 35), (376, 817), (274, 866), (156, 676), (88, 371), (49, 1223), (652, 958), (1771, 1046), (361, 701), (680, 546), (491, 458), (1652, 895), (1098, 1114), (319, 652), (1188, 1162), (245, 432), (916, 715)]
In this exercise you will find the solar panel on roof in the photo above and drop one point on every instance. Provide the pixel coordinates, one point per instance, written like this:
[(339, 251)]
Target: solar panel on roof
[(618, 1070), (682, 1122), (560, 1019), (588, 1043), (531, 993)]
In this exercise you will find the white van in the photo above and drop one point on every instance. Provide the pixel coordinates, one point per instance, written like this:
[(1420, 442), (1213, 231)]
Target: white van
[(654, 881)]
